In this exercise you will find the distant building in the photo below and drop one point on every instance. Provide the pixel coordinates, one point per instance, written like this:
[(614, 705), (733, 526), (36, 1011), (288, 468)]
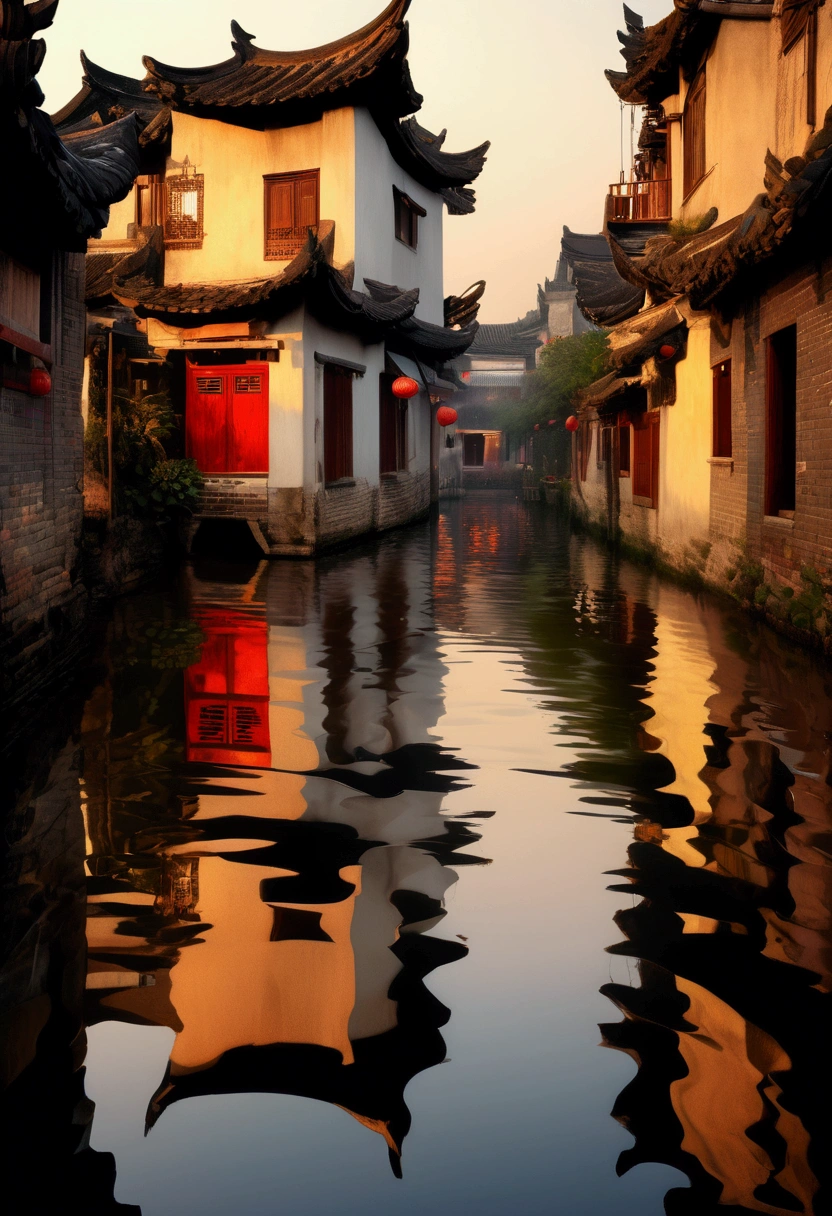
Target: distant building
[(494, 371), (283, 249), (55, 193)]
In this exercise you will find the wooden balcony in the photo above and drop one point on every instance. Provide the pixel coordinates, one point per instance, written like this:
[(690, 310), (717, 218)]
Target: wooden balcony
[(635, 202)]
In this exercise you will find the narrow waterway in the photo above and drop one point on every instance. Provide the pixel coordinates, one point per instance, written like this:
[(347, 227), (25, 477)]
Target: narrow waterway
[(319, 891)]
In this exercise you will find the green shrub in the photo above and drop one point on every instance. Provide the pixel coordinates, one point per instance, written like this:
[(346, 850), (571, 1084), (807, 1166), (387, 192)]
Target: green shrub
[(171, 486)]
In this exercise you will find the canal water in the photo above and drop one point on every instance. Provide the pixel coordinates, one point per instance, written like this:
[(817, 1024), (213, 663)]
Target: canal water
[(471, 870)]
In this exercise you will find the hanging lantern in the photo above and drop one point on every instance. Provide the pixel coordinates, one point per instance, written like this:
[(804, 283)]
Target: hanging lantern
[(40, 383), (572, 423), (405, 387), (537, 426), (667, 351), (446, 415), (551, 422)]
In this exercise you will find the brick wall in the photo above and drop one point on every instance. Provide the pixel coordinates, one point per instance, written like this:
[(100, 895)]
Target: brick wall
[(41, 508), (738, 495), (234, 498), (345, 511), (403, 497)]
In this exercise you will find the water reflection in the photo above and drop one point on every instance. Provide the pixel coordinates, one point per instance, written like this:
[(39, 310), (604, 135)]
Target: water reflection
[(244, 832)]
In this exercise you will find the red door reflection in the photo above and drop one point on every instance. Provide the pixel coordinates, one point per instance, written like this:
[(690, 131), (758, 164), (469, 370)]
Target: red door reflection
[(227, 693)]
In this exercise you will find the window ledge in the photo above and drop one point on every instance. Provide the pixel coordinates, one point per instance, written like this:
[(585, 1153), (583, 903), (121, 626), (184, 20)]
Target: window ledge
[(778, 521), (398, 475), (623, 472), (343, 483), (407, 245), (640, 501), (725, 461)]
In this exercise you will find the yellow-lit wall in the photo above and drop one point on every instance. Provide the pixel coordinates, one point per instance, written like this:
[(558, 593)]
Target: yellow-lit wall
[(234, 161), (684, 472)]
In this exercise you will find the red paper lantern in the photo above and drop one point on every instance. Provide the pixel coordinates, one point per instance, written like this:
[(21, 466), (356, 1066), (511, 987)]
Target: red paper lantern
[(572, 423), (537, 426), (667, 351), (40, 383), (405, 387), (446, 415), (551, 422)]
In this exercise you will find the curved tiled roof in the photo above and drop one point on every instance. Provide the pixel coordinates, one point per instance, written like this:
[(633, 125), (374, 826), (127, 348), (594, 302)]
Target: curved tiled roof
[(54, 192), (372, 60), (711, 265), (604, 297), (653, 54), (515, 340), (283, 88)]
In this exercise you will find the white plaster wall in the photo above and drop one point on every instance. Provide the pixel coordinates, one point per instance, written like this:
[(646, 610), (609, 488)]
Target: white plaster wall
[(685, 445), (286, 410), (378, 255), (234, 161)]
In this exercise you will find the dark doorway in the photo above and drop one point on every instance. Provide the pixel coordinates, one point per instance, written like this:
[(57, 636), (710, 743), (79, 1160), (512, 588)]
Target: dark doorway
[(781, 420), (474, 451), (337, 424)]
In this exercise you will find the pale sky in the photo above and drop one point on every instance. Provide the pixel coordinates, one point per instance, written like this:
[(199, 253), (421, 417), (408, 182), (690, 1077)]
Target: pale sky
[(526, 74)]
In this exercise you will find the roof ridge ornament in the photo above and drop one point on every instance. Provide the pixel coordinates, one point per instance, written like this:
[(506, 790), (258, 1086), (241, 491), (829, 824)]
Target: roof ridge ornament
[(241, 41)]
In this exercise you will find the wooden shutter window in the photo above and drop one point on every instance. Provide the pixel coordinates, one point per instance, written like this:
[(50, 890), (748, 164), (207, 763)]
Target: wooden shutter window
[(150, 197), (795, 18), (722, 409), (184, 213), (392, 428), (694, 135), (781, 421), (292, 207), (646, 434), (337, 424)]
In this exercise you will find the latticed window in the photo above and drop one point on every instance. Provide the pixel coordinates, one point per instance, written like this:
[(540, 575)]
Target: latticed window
[(291, 209), (185, 209), (694, 135)]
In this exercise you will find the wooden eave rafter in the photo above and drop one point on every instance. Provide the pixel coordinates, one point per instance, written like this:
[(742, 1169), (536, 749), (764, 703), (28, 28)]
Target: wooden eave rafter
[(59, 193)]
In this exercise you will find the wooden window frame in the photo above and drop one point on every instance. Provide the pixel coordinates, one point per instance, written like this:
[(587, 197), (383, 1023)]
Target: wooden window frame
[(470, 435), (338, 425), (694, 128), (406, 216), (181, 232), (392, 429), (781, 422), (284, 244), (150, 190), (604, 453), (645, 459), (722, 435)]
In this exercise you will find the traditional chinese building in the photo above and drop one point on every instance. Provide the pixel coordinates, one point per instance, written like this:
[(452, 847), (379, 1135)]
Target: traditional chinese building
[(55, 193), (711, 430), (283, 247)]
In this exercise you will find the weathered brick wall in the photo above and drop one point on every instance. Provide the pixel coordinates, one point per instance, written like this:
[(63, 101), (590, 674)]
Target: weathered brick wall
[(234, 498), (41, 506), (738, 504), (345, 511), (403, 497)]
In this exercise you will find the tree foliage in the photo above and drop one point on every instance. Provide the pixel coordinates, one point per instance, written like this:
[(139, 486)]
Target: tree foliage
[(566, 365)]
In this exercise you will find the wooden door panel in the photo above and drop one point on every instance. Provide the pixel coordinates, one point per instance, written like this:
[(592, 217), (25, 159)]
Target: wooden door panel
[(249, 422), (206, 419), (227, 418)]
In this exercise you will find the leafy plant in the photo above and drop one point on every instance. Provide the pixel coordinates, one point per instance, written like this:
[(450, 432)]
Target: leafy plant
[(566, 365), (166, 645), (169, 486)]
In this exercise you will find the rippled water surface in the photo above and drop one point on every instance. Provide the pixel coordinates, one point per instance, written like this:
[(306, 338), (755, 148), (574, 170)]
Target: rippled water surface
[(319, 889)]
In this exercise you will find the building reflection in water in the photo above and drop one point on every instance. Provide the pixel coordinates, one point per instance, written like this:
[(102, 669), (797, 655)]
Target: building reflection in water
[(712, 737), (248, 808), (265, 885)]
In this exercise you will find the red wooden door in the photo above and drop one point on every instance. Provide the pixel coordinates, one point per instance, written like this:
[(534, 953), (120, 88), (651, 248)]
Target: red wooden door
[(227, 418)]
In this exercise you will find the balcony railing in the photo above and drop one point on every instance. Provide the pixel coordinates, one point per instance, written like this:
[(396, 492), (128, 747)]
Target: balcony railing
[(632, 202)]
